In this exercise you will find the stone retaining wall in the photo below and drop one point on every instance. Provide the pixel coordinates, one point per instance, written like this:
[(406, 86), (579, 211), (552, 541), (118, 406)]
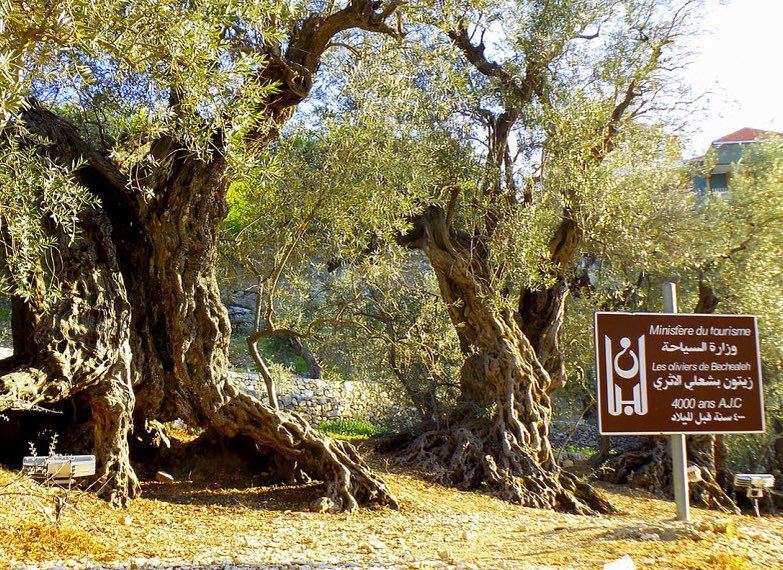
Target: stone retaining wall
[(320, 400)]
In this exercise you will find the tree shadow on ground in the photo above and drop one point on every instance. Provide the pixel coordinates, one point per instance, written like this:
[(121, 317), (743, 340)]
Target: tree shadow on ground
[(263, 497)]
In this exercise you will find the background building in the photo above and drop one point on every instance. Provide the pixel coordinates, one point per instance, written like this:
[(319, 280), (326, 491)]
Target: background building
[(728, 152)]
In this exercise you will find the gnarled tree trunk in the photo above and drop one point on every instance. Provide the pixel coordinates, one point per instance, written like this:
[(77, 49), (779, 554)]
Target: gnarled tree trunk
[(79, 346), (649, 467), (140, 333), (499, 434)]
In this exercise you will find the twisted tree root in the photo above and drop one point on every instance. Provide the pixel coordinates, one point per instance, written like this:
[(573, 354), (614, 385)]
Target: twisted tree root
[(468, 458), (349, 481), (649, 467)]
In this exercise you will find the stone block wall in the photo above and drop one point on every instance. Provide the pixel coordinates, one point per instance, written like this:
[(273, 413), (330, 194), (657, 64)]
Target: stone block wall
[(320, 400)]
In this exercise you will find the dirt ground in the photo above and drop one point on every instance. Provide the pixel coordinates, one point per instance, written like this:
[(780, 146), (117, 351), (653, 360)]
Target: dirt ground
[(186, 524)]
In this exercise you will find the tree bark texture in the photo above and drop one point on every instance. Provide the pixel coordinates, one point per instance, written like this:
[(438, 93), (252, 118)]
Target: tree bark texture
[(140, 330), (80, 346), (499, 434)]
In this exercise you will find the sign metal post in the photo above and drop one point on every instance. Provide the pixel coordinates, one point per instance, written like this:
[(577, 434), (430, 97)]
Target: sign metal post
[(678, 447)]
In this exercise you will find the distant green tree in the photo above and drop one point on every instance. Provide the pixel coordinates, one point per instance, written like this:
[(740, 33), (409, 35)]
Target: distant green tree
[(312, 238)]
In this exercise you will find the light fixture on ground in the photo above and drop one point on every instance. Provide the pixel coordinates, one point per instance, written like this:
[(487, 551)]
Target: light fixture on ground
[(59, 468), (753, 484)]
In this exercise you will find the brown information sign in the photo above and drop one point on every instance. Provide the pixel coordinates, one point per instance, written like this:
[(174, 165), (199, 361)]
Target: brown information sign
[(677, 373)]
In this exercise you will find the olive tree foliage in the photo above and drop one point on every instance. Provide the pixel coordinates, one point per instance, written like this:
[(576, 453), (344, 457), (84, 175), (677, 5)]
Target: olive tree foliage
[(33, 189), (120, 62), (741, 256), (403, 329), (319, 236), (740, 271), (113, 68)]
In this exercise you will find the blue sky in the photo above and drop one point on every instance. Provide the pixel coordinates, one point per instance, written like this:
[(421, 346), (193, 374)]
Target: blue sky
[(739, 63)]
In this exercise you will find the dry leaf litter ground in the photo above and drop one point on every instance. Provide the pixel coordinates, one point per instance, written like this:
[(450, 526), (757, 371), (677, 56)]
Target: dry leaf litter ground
[(192, 525)]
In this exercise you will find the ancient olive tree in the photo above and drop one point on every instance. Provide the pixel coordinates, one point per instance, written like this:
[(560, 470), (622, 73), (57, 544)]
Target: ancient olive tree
[(566, 167), (146, 111)]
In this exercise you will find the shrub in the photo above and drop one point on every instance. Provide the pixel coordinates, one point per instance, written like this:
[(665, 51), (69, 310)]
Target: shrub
[(354, 428)]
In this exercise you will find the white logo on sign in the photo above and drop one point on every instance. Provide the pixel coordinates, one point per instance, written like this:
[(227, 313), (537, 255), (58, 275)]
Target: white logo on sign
[(633, 379)]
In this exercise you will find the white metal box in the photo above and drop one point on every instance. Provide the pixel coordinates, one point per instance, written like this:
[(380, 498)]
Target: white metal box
[(754, 480), (59, 466)]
